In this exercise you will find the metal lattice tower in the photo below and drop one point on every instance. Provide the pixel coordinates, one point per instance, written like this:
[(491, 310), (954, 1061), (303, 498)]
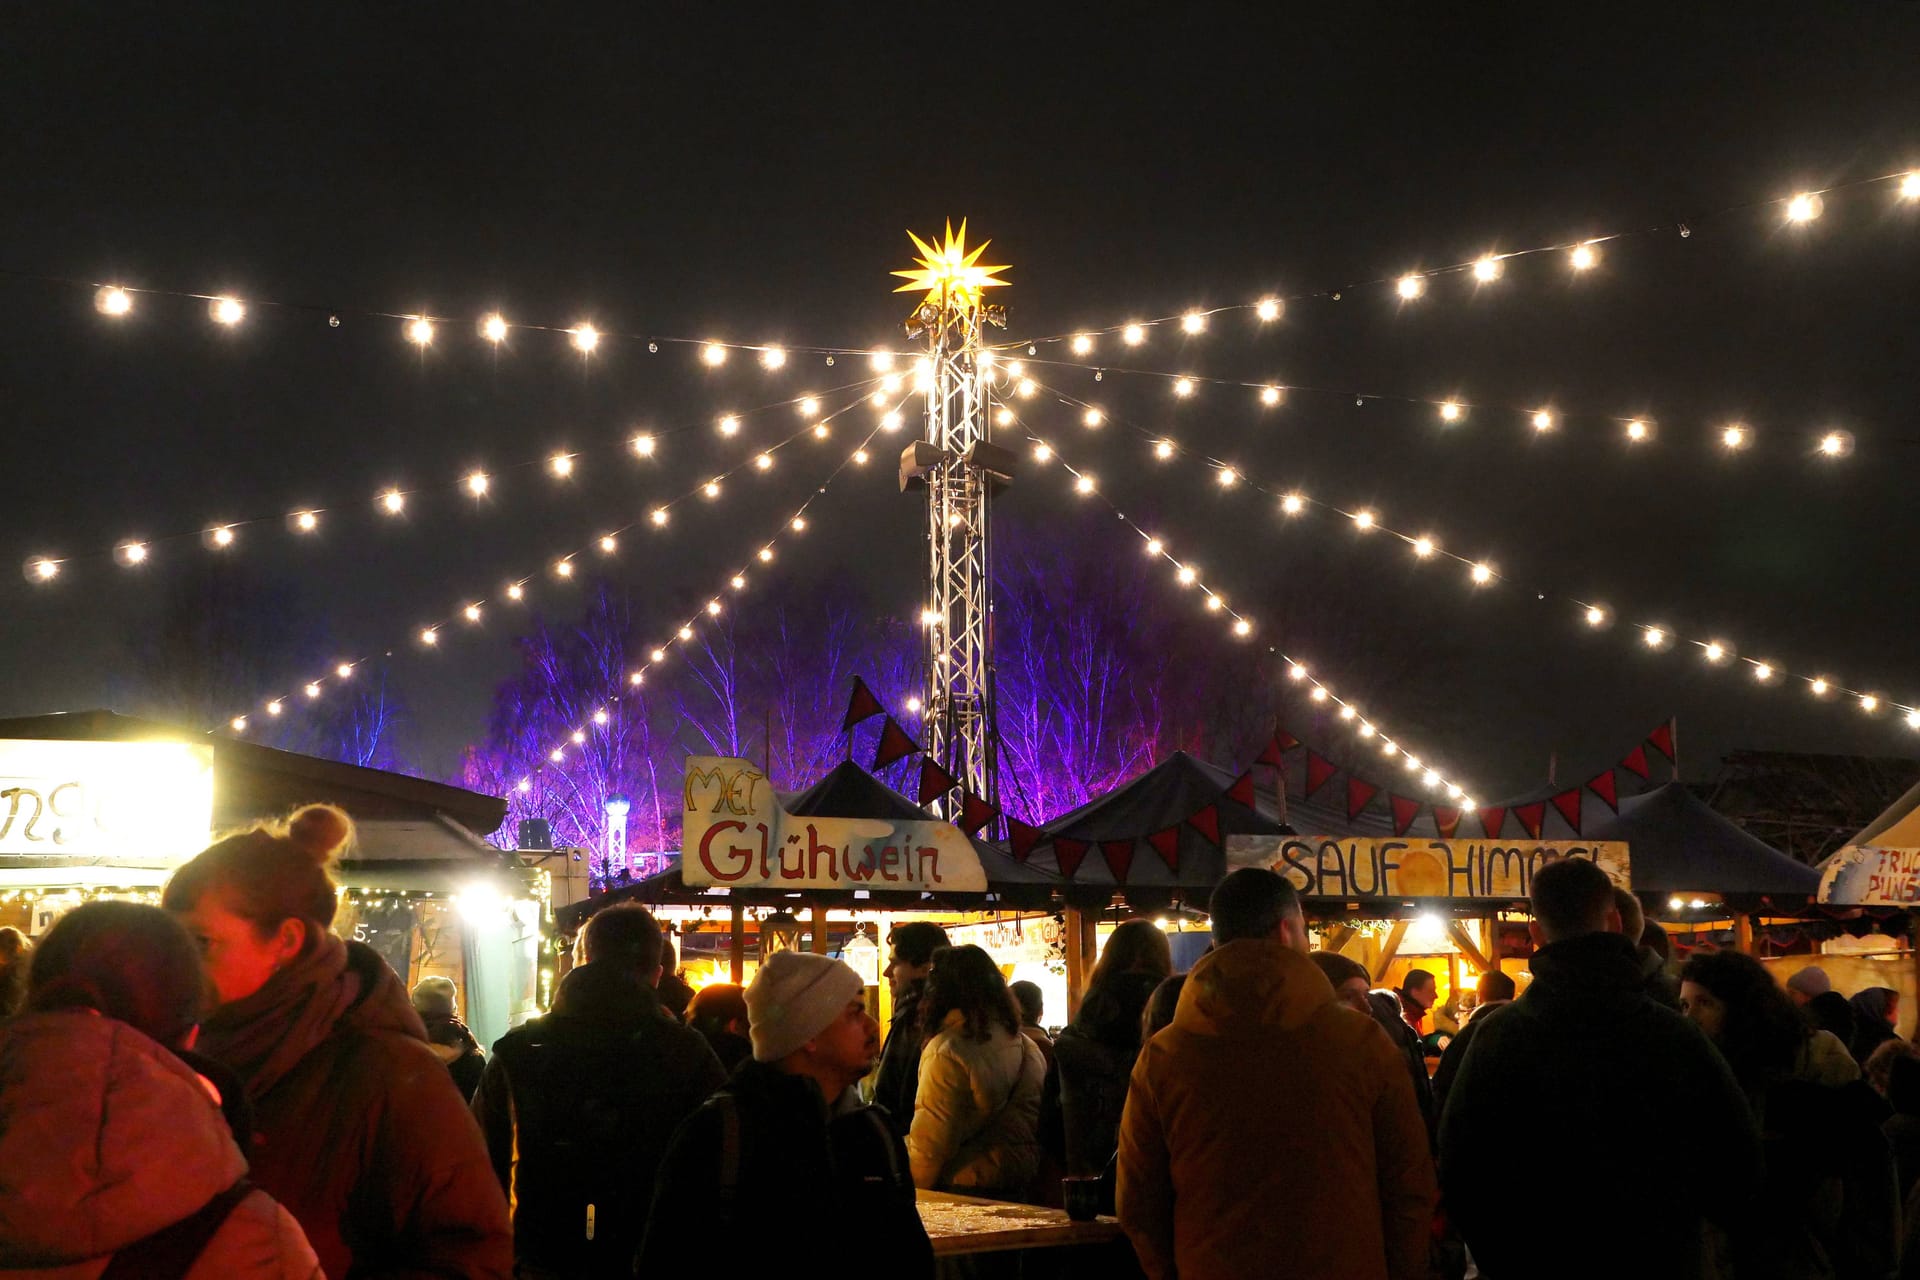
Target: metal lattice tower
[(960, 467)]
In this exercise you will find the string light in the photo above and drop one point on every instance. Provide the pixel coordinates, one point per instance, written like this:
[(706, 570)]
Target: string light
[(420, 331), (429, 636), (1083, 484), (275, 707), (1763, 671), (1092, 418), (729, 425), (1543, 420), (1133, 335), (642, 445), (1639, 429), (1910, 186), (1869, 703), (773, 358), (516, 591), (764, 462), (1734, 437), (1481, 574), (585, 338), (1819, 686), (563, 568), (1410, 287), (1596, 616), (1584, 257), (344, 670), (1423, 547), (1082, 344), (714, 354), (809, 407), (227, 311), (1042, 451), (1193, 322), (1487, 269), (1293, 504), (471, 613), (132, 553), (1163, 449), (1655, 637), (221, 535), (494, 328), (1268, 309), (1363, 518), (1714, 651), (1450, 411), (1183, 387), (477, 483), (881, 360), (112, 300), (393, 502), (313, 690), (1227, 476), (1269, 396), (1804, 207), (43, 569), (608, 544), (1836, 444)]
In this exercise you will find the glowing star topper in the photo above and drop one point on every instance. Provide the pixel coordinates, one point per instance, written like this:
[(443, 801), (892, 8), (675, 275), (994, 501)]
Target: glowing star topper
[(949, 270)]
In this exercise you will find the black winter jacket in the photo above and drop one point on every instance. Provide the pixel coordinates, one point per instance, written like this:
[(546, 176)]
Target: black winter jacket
[(897, 1087)]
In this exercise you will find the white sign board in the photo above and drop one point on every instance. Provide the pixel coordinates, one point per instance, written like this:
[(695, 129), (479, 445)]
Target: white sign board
[(135, 802)]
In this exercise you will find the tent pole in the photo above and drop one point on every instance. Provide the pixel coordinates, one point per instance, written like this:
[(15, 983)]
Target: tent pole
[(1743, 933), (819, 928), (737, 945), (1083, 943)]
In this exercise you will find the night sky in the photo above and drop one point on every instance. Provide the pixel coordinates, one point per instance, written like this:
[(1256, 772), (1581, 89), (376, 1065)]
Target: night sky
[(747, 172)]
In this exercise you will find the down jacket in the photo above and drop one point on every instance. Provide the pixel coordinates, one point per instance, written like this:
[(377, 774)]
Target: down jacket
[(976, 1114), (106, 1138)]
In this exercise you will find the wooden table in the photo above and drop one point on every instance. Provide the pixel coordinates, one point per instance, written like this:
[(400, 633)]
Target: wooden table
[(967, 1224)]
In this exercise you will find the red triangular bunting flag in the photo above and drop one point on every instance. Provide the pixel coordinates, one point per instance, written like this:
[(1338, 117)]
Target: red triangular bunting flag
[(1446, 820), (1359, 796), (862, 706), (894, 746), (1493, 819), (1531, 816), (1319, 770), (1241, 792), (1286, 740), (934, 781), (1568, 803), (1021, 838), (1167, 844), (1404, 812), (1273, 755), (1119, 856), (1636, 762), (1207, 823), (1067, 855), (975, 813), (1661, 739), (1604, 786)]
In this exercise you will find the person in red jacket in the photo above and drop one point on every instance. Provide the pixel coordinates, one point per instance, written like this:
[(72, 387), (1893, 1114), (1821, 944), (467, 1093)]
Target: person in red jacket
[(358, 1128)]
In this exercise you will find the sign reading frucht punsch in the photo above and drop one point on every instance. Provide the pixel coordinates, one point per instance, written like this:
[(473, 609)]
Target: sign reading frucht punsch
[(1417, 867)]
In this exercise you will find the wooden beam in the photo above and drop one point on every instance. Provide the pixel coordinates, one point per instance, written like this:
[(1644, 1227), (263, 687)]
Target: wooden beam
[(1743, 933), (1464, 941), (1339, 936), (1492, 926), (737, 945), (1083, 944), (819, 929), (1389, 949)]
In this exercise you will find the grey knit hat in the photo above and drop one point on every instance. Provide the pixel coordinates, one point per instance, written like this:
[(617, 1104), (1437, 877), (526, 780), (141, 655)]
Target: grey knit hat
[(795, 996)]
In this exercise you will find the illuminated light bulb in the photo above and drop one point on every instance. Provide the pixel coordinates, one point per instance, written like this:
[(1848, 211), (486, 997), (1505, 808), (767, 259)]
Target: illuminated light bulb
[(556, 755), (585, 338), (1228, 476), (766, 555), (1715, 651), (1163, 449), (477, 483), (1410, 287), (1804, 207), (1215, 603), (890, 384), (393, 502), (913, 705), (1762, 671), (344, 670), (878, 399), (44, 570), (1293, 504), (859, 457), (1268, 309), (1183, 387), (227, 311), (714, 355), (564, 568), (420, 331), (1155, 546), (1082, 343), (222, 536), (809, 407), (1319, 693), (1655, 637), (1026, 388), (711, 488), (799, 524), (1365, 730), (1423, 547), (428, 636), (112, 300), (1388, 749), (685, 633), (658, 655), (1454, 791), (1543, 421), (561, 464), (239, 724), (1913, 716), (494, 328), (1269, 395), (313, 689), (1042, 451), (1413, 763), (929, 617), (881, 360), (1487, 269), (764, 462), (1092, 418), (1364, 519), (773, 358), (1083, 484), (1584, 257), (516, 592), (892, 421), (1836, 444), (600, 716), (1910, 186), (1296, 672), (1639, 429), (1347, 712), (1016, 368), (1133, 335), (1186, 575), (1481, 573), (659, 516), (579, 738), (1004, 418), (738, 582), (713, 608), (306, 521), (821, 431), (132, 552), (1450, 411), (729, 425), (472, 612), (1193, 322), (1596, 616), (275, 707), (1734, 437), (1869, 703), (608, 544), (1431, 778), (643, 445)]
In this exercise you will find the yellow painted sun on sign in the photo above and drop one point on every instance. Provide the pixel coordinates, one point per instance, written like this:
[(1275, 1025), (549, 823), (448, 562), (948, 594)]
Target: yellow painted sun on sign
[(949, 269)]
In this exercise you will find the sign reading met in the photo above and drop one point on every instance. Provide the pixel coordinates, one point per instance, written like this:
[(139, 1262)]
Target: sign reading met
[(735, 835), (1364, 867), (133, 802)]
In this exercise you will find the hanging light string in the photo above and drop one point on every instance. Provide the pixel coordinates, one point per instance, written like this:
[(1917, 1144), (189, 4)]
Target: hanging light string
[(1188, 577), (563, 565), (765, 553), (1657, 636), (1581, 255), (474, 485), (1827, 444)]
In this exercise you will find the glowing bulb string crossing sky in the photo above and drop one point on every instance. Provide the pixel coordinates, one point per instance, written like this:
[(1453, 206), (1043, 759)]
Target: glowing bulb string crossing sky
[(563, 566), (474, 485), (1480, 573), (1579, 256), (1824, 443), (1188, 577)]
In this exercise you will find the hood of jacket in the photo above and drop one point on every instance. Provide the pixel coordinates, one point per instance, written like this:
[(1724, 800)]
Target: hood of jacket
[(604, 993), (1255, 982), (1589, 966), (105, 1137)]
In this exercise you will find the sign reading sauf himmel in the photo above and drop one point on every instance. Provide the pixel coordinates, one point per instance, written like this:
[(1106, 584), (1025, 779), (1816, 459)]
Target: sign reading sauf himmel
[(1368, 867), (735, 835)]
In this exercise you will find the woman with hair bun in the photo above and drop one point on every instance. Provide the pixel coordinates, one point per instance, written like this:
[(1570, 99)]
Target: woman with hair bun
[(113, 1151), (358, 1129)]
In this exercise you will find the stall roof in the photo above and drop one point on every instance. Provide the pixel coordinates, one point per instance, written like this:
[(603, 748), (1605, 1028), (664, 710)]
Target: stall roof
[(1680, 845), (1898, 827)]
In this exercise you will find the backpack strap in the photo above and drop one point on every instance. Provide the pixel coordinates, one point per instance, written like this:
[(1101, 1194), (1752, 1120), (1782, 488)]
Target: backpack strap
[(169, 1253)]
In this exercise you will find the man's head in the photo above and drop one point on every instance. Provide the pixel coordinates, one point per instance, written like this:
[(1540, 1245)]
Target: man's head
[(1804, 984), (1494, 985), (1633, 917), (910, 954), (1032, 1002), (626, 937), (1572, 897), (1421, 988), (1350, 981), (808, 1016), (1256, 903)]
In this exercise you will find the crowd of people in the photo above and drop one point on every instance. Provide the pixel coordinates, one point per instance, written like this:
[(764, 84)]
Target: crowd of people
[(221, 1086)]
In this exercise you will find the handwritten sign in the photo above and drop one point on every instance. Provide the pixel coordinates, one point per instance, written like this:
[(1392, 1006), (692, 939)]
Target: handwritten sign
[(1868, 876), (734, 834), (1361, 867), (135, 802)]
